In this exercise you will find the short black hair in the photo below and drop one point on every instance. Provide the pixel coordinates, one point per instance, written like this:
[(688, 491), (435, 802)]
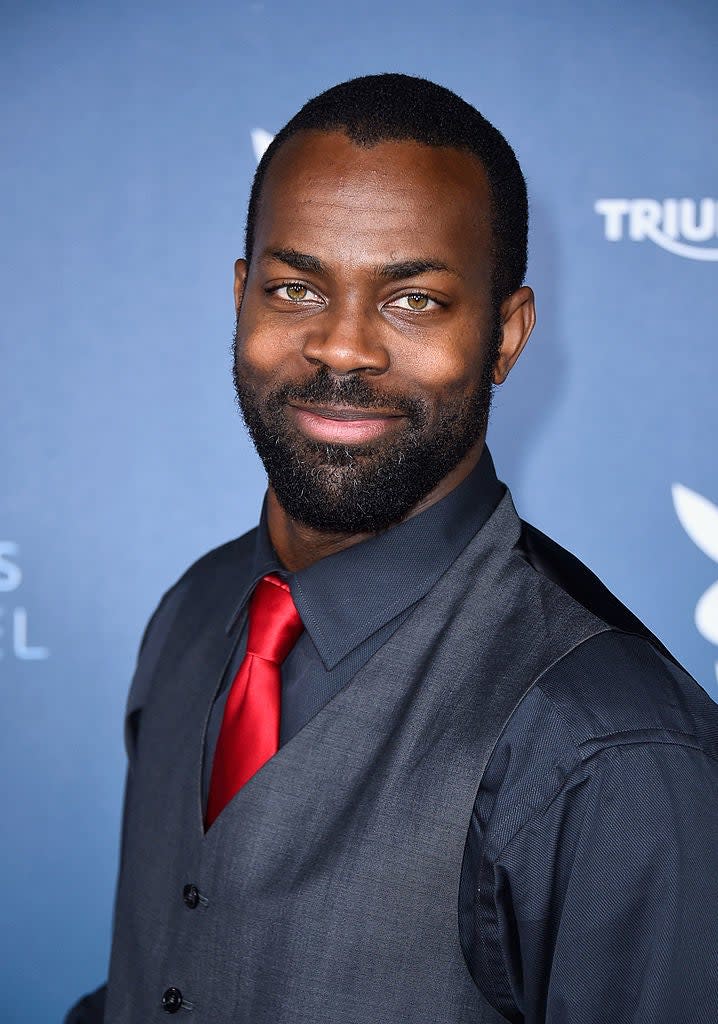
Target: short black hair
[(394, 107)]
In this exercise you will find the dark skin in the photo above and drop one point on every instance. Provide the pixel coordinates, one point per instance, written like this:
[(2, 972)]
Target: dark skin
[(373, 261)]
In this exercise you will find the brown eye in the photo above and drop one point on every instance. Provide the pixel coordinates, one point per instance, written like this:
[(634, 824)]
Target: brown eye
[(296, 292), (417, 302)]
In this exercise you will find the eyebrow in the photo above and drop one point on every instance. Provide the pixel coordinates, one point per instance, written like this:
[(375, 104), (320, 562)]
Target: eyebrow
[(301, 261), (411, 268), (398, 271)]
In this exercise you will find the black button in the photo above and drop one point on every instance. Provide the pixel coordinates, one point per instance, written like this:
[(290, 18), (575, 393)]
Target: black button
[(190, 894), (172, 1000)]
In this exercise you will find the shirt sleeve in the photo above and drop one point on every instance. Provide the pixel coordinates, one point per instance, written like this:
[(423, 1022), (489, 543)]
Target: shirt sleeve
[(604, 905)]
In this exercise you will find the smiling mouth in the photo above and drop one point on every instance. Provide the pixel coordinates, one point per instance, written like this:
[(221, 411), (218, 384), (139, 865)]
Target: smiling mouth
[(343, 424)]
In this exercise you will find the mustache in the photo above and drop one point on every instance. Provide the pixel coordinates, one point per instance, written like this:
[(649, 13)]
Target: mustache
[(324, 388)]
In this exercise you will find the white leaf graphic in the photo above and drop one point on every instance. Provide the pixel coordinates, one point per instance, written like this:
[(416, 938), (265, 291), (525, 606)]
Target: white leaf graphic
[(699, 518), (260, 142), (707, 614)]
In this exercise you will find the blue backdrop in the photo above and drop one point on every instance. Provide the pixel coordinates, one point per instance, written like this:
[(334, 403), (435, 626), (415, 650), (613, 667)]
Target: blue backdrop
[(127, 157)]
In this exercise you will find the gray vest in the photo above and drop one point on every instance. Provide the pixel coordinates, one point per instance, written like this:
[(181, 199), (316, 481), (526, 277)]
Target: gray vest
[(329, 886)]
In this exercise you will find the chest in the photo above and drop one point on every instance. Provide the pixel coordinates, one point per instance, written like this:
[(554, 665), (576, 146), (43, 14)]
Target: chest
[(330, 882)]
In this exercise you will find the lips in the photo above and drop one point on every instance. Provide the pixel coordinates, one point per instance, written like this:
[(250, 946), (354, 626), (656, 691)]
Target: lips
[(342, 424)]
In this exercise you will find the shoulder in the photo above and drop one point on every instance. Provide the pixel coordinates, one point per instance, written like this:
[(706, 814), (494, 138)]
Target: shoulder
[(617, 688), (207, 592), (229, 559), (557, 567), (605, 703), (211, 577), (621, 679)]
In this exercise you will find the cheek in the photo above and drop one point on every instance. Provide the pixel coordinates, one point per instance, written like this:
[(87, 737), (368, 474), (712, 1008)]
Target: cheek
[(445, 365), (261, 351)]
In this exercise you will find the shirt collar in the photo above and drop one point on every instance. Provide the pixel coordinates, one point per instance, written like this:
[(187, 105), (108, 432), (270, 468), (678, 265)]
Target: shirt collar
[(346, 597)]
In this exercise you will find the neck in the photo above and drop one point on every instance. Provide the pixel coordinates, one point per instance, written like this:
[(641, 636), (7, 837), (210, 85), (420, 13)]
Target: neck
[(299, 546)]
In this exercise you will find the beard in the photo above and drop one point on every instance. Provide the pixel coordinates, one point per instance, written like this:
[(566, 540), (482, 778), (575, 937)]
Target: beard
[(361, 488)]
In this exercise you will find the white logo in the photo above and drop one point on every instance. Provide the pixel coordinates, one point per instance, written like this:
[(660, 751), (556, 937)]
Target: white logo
[(261, 141), (677, 225), (699, 518), (14, 637)]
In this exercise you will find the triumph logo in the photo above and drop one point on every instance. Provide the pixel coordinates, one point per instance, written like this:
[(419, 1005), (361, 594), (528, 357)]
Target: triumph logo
[(699, 518), (681, 226)]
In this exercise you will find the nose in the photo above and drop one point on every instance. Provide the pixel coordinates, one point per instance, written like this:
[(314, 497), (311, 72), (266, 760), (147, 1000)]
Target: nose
[(346, 340)]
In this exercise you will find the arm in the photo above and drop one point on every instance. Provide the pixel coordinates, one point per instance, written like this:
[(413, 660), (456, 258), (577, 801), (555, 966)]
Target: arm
[(91, 1008), (604, 906)]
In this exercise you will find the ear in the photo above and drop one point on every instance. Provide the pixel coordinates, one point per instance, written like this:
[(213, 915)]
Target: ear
[(240, 279), (518, 316)]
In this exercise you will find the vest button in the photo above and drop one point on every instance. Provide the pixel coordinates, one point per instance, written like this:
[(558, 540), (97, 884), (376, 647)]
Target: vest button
[(172, 1000), (190, 894)]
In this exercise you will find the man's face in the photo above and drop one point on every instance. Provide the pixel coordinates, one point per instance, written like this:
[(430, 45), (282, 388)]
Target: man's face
[(366, 338)]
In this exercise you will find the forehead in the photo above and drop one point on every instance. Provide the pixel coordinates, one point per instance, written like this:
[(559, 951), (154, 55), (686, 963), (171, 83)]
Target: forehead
[(398, 198)]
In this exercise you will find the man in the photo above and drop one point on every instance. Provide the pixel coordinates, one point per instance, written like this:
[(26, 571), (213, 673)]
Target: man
[(395, 755)]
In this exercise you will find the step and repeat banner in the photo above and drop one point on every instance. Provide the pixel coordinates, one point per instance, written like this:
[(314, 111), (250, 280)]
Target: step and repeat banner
[(130, 135)]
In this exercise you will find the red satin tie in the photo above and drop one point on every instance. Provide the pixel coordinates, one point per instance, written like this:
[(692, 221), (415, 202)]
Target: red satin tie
[(250, 726)]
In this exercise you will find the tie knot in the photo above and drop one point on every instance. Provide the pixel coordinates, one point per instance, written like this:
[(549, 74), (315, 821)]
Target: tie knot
[(274, 622)]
